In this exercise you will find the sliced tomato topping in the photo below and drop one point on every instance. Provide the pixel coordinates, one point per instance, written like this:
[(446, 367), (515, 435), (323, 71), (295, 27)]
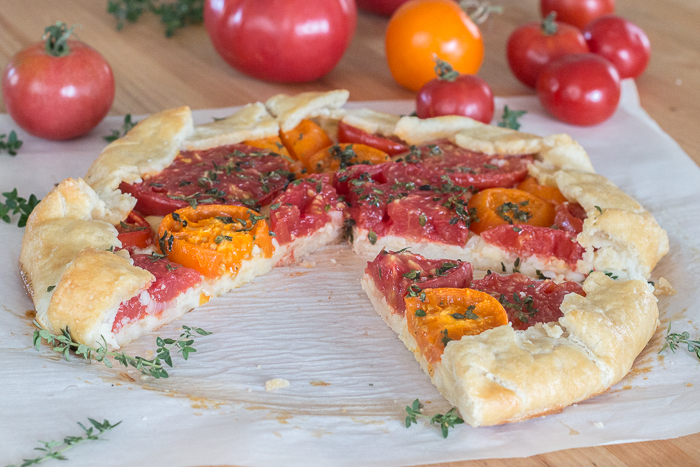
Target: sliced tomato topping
[(305, 140), (527, 240), (570, 217), (171, 280), (439, 316), (550, 194), (214, 239), (340, 156), (235, 174), (350, 134), (306, 206), (504, 206), (525, 300), (135, 232), (397, 274)]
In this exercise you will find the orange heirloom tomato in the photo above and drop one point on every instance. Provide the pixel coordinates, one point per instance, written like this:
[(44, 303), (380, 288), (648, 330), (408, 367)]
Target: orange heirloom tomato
[(548, 193), (338, 156), (274, 144), (214, 239), (421, 29), (305, 140), (448, 314), (498, 206)]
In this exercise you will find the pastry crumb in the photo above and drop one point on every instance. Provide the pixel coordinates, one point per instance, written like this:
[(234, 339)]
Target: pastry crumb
[(599, 425), (334, 261), (664, 287), (274, 384), (308, 264)]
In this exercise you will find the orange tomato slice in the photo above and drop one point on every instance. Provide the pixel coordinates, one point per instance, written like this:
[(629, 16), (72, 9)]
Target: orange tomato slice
[(305, 140), (339, 156), (272, 144), (443, 315), (548, 193), (498, 206), (214, 239)]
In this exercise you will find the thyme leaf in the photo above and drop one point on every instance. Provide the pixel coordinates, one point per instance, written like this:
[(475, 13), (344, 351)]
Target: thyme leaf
[(126, 127), (510, 118), (445, 421), (674, 340), (11, 145), (17, 205)]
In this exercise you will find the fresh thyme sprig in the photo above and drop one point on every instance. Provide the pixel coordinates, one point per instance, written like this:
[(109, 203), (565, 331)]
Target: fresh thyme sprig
[(126, 126), (446, 421), (55, 449), (173, 15), (510, 118), (12, 144), (17, 205), (64, 343), (673, 340)]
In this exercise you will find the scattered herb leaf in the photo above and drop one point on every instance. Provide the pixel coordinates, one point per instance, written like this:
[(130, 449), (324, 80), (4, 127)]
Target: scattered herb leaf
[(16, 205), (11, 145), (126, 126), (510, 118)]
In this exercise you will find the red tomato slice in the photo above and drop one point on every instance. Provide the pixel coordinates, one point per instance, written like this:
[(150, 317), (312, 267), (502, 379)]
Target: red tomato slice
[(527, 301), (401, 273), (304, 208), (350, 134), (527, 240), (135, 232)]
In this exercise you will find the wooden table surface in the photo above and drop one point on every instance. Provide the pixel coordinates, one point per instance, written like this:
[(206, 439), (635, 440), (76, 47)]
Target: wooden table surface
[(153, 72)]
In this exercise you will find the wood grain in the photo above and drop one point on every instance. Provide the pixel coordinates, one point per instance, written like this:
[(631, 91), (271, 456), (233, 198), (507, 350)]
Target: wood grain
[(153, 72)]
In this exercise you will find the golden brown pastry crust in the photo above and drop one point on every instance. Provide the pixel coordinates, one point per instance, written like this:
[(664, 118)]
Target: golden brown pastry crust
[(291, 110), (249, 123), (503, 375)]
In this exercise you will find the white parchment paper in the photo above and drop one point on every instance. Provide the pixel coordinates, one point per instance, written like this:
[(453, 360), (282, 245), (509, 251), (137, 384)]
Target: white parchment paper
[(350, 377)]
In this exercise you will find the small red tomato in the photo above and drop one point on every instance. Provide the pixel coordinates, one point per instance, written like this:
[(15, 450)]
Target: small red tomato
[(380, 7), (581, 89), (622, 42), (58, 89), (577, 12), (454, 94), (533, 45)]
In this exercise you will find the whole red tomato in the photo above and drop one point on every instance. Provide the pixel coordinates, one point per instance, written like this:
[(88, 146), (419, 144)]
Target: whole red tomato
[(58, 89), (454, 94), (280, 40), (622, 42), (581, 89), (421, 29), (381, 7), (577, 12), (533, 45)]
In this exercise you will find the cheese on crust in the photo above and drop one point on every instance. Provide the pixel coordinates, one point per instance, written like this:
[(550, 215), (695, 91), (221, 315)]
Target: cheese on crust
[(148, 148), (503, 375), (291, 110), (249, 123)]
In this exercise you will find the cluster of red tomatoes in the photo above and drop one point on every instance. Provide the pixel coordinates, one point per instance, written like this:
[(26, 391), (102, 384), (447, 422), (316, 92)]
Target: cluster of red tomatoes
[(576, 57)]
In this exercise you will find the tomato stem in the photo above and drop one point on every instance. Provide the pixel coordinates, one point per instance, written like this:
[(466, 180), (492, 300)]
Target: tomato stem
[(479, 10), (549, 25), (444, 70), (56, 37)]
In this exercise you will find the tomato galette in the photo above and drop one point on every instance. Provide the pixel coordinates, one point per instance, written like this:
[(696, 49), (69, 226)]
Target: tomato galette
[(515, 274)]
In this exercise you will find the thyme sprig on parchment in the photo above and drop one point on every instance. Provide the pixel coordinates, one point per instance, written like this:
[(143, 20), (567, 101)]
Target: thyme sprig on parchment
[(64, 343), (55, 449), (15, 204), (446, 421), (673, 340)]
